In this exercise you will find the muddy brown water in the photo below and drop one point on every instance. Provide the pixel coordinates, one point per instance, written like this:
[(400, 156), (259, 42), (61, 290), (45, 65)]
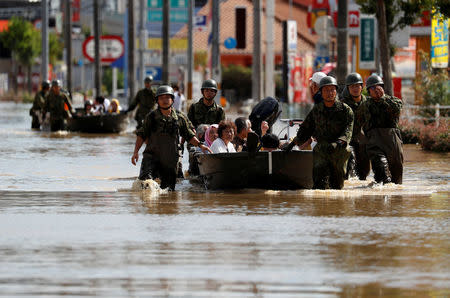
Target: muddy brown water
[(70, 224)]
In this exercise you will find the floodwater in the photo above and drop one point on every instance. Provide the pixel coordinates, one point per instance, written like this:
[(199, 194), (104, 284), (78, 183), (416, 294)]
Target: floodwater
[(70, 224)]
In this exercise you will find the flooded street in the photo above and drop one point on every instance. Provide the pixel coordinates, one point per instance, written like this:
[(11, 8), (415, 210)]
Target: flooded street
[(71, 225)]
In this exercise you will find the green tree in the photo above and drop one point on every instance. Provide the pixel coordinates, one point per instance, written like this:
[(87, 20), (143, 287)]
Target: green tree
[(238, 78), (107, 79), (24, 42), (55, 46)]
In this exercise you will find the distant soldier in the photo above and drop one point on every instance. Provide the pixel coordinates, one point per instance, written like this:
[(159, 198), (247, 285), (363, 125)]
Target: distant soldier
[(146, 100), (359, 162), (331, 123), (379, 116), (206, 111), (38, 105), (59, 106), (161, 132)]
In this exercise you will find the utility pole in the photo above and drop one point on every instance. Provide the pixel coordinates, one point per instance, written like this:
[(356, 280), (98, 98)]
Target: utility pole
[(44, 35), (385, 56), (68, 42), (166, 38), (257, 57), (190, 56), (342, 41), (270, 15), (142, 40), (131, 47), (98, 86), (215, 43)]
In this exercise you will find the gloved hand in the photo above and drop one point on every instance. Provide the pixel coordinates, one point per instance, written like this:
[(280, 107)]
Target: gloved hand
[(289, 147)]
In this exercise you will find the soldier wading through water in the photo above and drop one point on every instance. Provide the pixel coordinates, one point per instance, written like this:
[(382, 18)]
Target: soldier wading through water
[(161, 131), (59, 106), (330, 122), (379, 116), (358, 163), (38, 105), (206, 111), (145, 98)]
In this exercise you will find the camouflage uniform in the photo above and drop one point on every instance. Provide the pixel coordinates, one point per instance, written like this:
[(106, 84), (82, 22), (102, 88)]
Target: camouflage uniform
[(146, 100), (199, 113), (379, 120), (359, 162), (161, 153), (328, 125), (38, 107), (55, 104)]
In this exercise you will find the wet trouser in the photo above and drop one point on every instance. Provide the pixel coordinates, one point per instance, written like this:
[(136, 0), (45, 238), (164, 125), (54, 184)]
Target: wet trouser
[(359, 163), (384, 148), (151, 168), (57, 124), (35, 122), (329, 166)]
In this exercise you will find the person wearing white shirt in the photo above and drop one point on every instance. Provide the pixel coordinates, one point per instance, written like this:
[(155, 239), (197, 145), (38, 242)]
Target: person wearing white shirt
[(226, 134), (179, 98)]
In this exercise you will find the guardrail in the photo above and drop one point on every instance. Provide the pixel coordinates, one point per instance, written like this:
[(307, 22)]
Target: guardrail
[(410, 112)]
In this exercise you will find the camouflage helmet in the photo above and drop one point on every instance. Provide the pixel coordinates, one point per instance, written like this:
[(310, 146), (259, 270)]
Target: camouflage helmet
[(209, 84), (45, 84), (353, 78), (56, 83), (148, 79), (374, 80), (164, 89), (328, 81)]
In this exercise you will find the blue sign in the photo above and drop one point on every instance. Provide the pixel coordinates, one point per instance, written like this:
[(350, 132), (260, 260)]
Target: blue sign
[(200, 21), (179, 15), (155, 72), (173, 3), (230, 43), (320, 61)]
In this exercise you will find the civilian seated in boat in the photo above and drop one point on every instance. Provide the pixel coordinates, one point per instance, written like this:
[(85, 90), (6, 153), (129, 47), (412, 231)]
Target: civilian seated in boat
[(226, 133), (200, 134), (114, 107), (211, 134), (270, 142), (88, 107), (101, 105), (193, 151), (243, 127)]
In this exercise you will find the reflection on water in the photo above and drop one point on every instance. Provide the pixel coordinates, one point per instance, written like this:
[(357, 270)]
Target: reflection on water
[(72, 225)]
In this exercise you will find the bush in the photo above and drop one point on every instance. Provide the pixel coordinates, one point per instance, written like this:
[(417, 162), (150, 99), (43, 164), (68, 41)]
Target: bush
[(410, 131), (238, 78), (435, 138)]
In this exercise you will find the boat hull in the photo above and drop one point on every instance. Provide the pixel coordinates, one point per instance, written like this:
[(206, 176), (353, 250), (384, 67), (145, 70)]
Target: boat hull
[(267, 170), (107, 123)]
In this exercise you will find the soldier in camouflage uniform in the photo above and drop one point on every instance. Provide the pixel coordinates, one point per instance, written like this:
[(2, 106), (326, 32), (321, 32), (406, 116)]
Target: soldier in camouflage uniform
[(146, 100), (38, 105), (206, 111), (59, 106), (161, 131), (330, 122), (379, 117), (358, 163)]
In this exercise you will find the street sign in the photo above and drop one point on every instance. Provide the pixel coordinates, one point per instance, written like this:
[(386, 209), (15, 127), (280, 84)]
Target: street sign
[(439, 42), (111, 48), (292, 35), (200, 23), (155, 72), (173, 3), (176, 15), (367, 44), (230, 43)]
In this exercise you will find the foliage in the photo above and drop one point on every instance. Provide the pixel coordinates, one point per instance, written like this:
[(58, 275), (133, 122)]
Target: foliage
[(238, 78), (27, 97), (435, 139), (200, 59), (107, 79), (410, 131), (23, 41), (55, 48)]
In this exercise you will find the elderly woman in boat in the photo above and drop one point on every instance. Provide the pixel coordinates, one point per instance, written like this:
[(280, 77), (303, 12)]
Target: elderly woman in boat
[(226, 134)]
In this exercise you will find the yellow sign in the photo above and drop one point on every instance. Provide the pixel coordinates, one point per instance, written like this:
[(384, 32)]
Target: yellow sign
[(439, 42), (175, 43)]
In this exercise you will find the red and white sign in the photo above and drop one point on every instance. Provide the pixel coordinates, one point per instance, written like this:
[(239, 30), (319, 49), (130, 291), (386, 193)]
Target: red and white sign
[(112, 47), (353, 18)]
